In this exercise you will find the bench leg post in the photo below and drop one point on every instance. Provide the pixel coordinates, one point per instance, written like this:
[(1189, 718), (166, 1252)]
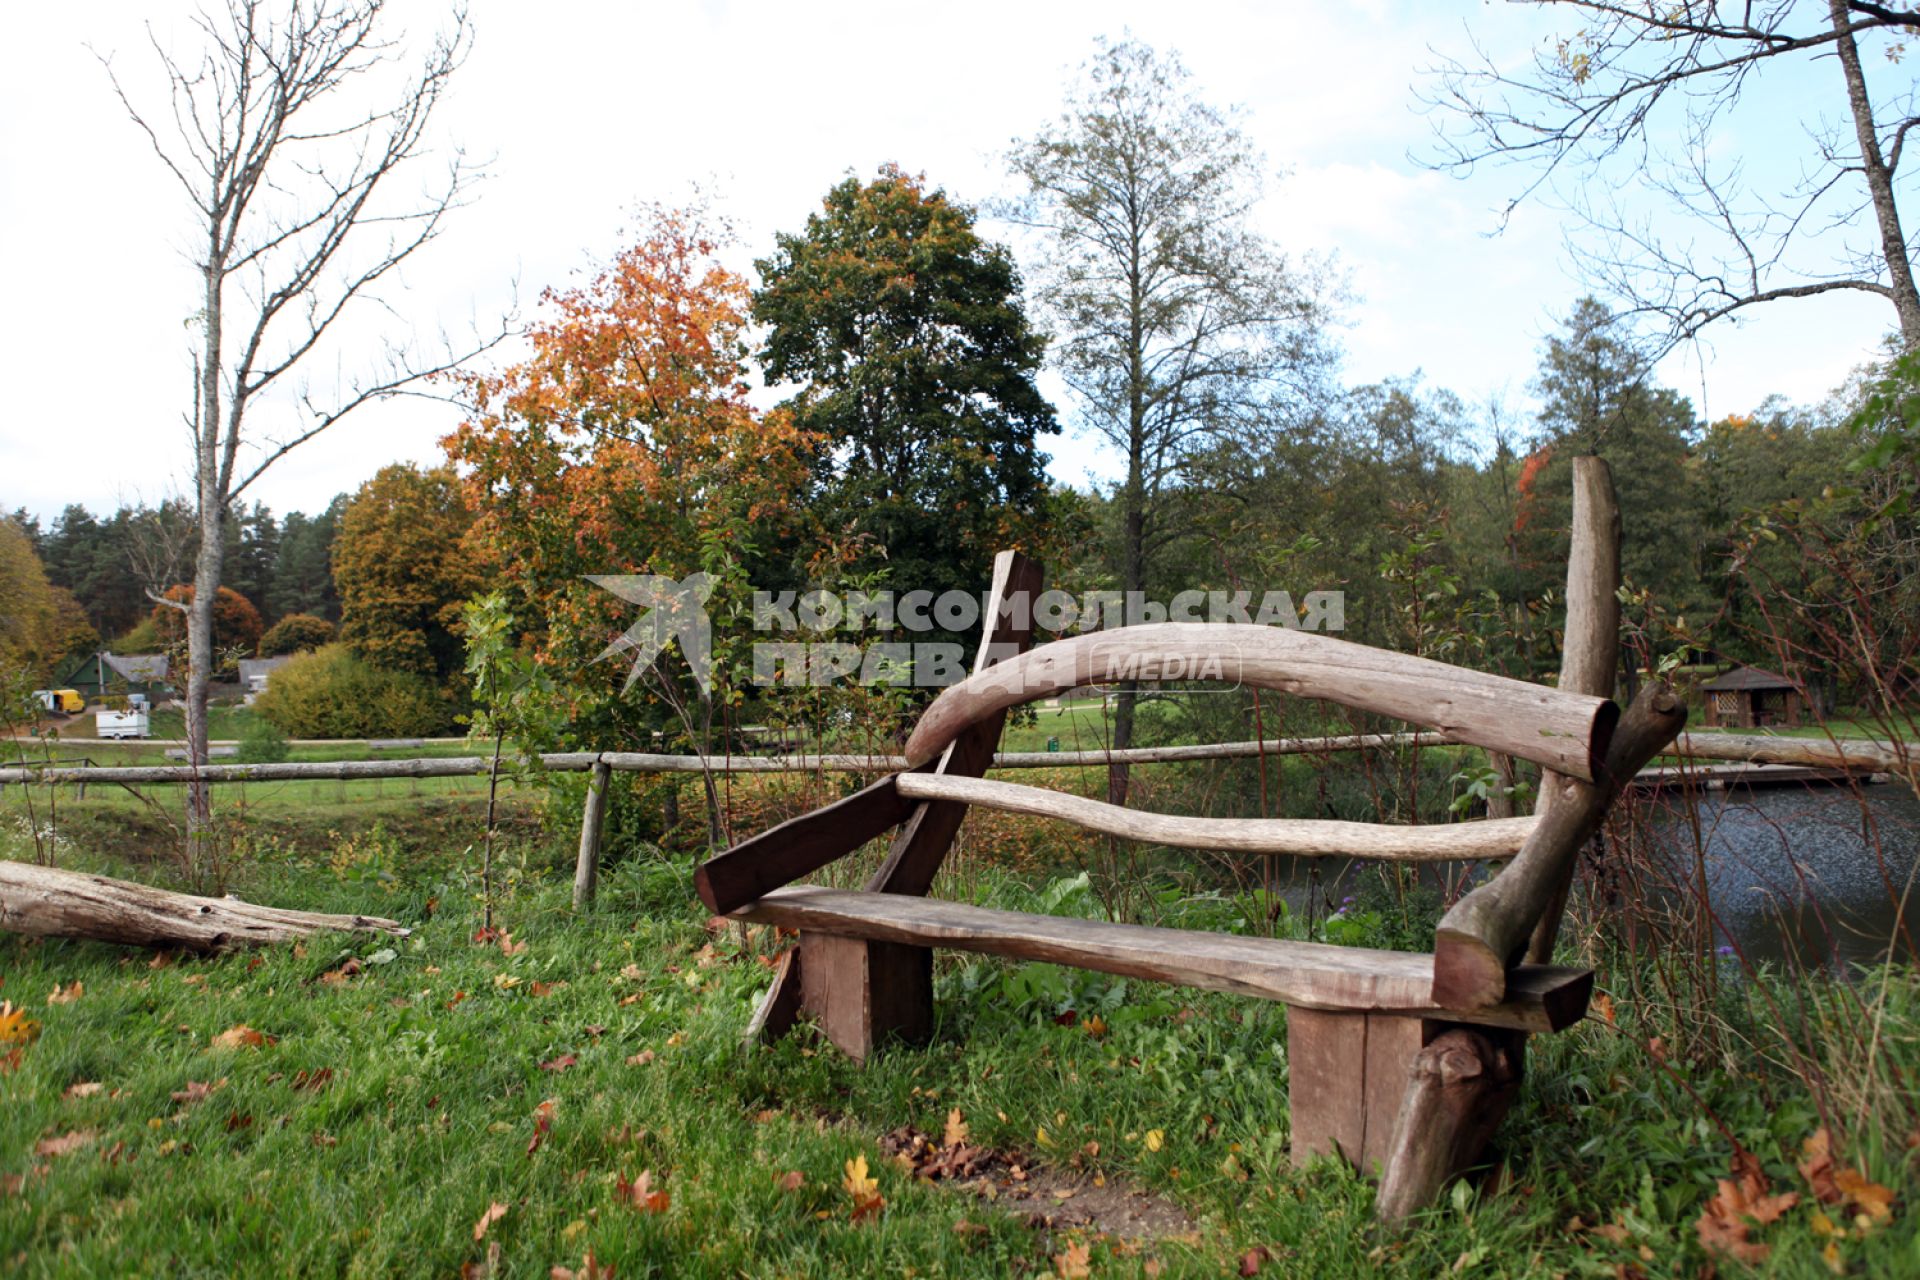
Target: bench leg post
[(1346, 1074), (865, 993), (1458, 1090)]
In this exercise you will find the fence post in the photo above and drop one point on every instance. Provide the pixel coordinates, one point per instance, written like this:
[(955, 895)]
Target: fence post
[(586, 873)]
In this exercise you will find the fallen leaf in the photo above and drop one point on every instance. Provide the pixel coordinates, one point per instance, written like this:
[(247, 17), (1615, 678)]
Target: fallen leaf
[(1155, 1139), (640, 1194), (589, 1270), (240, 1036), (310, 1081), (1834, 1183), (84, 1089), (15, 1026), (488, 1216), (641, 1058), (1739, 1204), (789, 1181), (1096, 1026), (560, 1063), (864, 1191), (956, 1131), (1253, 1259), (67, 994), (1864, 1197), (1075, 1263), (542, 1121), (1602, 1004), (483, 1270), (197, 1090), (65, 1144)]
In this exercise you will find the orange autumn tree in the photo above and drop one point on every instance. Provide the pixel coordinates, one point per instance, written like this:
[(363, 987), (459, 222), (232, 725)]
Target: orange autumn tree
[(625, 444)]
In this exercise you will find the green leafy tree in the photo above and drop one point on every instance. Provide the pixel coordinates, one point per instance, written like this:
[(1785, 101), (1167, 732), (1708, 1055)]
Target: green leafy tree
[(1176, 321), (916, 362), (1597, 398), (403, 570), (303, 564)]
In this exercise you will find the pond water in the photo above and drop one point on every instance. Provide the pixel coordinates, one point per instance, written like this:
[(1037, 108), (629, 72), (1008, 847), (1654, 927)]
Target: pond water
[(1825, 874)]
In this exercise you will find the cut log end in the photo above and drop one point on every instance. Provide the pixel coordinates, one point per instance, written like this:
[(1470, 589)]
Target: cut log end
[(1605, 721), (703, 885), (1466, 975)]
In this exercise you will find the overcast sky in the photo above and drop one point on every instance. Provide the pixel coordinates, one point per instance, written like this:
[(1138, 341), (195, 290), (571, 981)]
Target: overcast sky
[(590, 106)]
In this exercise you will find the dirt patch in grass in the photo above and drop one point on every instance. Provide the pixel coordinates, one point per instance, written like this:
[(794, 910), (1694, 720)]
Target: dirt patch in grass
[(1047, 1198)]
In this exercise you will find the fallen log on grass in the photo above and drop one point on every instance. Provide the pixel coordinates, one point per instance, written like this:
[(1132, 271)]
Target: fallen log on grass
[(50, 903)]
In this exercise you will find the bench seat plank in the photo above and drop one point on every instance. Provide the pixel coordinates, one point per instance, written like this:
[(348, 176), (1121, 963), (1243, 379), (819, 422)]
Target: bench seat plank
[(1312, 975)]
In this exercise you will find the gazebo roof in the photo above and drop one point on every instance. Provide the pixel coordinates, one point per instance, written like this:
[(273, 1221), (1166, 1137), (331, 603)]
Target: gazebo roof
[(1748, 678)]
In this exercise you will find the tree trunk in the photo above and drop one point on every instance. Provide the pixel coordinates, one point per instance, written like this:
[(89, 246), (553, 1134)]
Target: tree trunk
[(212, 501), (47, 902), (1873, 166)]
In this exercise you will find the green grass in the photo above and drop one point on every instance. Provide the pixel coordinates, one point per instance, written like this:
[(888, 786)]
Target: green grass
[(431, 1109)]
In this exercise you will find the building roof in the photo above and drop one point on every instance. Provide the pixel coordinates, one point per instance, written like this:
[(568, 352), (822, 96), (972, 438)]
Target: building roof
[(1748, 678), (251, 667), (134, 668)]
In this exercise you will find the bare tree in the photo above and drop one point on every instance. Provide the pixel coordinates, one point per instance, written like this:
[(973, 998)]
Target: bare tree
[(1644, 94), (1175, 321), (293, 181)]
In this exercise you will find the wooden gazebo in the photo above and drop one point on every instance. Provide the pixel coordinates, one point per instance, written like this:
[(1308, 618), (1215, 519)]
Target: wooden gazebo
[(1749, 698)]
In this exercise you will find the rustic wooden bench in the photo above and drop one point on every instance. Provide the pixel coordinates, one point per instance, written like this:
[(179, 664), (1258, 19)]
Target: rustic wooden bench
[(1397, 1060)]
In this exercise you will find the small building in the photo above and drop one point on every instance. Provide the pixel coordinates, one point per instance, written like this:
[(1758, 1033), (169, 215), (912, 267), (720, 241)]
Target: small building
[(1749, 698), (254, 673), (107, 675)]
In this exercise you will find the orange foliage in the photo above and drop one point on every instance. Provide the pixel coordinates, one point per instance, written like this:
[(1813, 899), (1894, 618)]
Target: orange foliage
[(625, 442), (236, 623)]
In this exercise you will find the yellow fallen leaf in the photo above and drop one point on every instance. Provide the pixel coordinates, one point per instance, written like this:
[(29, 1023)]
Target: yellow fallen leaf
[(1040, 1137), (1155, 1139), (15, 1026), (83, 1089), (956, 1132), (67, 994), (1075, 1263), (864, 1190)]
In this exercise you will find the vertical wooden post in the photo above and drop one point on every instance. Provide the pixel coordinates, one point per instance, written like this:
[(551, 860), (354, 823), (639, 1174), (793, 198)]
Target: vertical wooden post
[(1459, 1090), (586, 871), (866, 993), (1590, 655), (1346, 1073)]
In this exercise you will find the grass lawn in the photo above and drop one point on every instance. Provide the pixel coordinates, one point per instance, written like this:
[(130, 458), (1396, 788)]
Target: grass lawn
[(393, 1101)]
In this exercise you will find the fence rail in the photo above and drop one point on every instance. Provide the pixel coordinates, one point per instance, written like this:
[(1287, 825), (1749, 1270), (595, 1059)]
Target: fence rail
[(1834, 753)]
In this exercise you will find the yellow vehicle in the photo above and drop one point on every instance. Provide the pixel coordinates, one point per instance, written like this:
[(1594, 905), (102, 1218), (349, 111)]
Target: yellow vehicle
[(66, 701)]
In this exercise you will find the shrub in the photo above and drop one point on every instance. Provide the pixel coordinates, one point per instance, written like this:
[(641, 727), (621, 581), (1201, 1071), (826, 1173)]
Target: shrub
[(295, 633), (261, 742), (330, 693)]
